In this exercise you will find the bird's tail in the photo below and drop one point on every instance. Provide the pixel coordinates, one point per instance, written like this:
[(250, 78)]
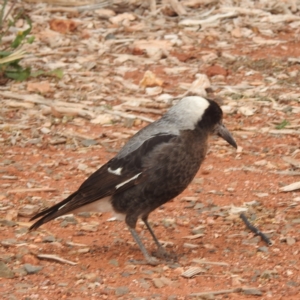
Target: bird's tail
[(50, 213)]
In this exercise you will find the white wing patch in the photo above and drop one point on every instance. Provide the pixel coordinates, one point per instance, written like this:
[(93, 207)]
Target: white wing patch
[(62, 206), (115, 172), (132, 178)]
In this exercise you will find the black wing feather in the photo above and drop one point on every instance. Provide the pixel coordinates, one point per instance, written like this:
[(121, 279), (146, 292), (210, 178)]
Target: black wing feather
[(103, 183)]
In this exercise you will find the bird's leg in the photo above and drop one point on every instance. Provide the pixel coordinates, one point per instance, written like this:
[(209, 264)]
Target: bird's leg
[(158, 244), (161, 250), (149, 259)]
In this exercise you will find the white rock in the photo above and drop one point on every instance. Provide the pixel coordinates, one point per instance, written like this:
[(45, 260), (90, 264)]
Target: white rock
[(105, 13), (247, 110), (152, 91), (227, 109), (45, 130), (164, 98), (125, 17), (102, 119)]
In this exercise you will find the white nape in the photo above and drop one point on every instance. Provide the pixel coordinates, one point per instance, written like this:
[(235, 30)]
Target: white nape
[(188, 112)]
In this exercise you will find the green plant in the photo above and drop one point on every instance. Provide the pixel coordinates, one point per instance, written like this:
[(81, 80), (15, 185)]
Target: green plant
[(11, 52), (283, 124)]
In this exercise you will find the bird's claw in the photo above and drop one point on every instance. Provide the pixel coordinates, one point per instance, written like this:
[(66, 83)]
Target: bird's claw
[(149, 261), (165, 255)]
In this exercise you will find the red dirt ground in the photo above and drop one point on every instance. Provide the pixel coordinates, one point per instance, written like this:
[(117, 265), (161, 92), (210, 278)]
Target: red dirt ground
[(226, 178)]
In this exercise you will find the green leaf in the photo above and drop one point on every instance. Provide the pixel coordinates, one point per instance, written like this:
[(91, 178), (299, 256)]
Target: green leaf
[(15, 64), (19, 75), (18, 40), (283, 124), (37, 73), (30, 40), (54, 73), (2, 12), (59, 73), (22, 34), (4, 53), (27, 31)]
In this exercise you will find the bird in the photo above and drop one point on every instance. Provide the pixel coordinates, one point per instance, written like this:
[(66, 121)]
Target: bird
[(153, 167)]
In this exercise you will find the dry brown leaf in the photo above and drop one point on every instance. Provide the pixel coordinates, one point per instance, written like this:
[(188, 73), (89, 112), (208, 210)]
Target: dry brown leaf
[(122, 18), (41, 87), (150, 80), (141, 45), (62, 25), (236, 32)]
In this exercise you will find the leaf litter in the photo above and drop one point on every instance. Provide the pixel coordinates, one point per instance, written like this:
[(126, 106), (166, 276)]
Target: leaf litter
[(123, 65)]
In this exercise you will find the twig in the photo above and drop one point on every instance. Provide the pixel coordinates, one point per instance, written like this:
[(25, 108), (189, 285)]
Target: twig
[(236, 290), (128, 116), (291, 187), (255, 230), (178, 7), (38, 99), (143, 109), (70, 111), (2, 17), (42, 189), (216, 263), (78, 135), (287, 172), (56, 258)]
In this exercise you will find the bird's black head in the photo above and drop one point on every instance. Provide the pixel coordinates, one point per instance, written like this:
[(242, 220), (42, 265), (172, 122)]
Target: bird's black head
[(211, 116), (211, 120)]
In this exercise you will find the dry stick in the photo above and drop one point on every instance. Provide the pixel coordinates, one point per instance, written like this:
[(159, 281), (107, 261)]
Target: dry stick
[(236, 290), (32, 190), (205, 262), (143, 109), (178, 7), (56, 258), (255, 230), (128, 116)]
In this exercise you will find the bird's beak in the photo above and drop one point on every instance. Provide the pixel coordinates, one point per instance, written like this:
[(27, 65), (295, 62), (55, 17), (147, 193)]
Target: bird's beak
[(224, 133)]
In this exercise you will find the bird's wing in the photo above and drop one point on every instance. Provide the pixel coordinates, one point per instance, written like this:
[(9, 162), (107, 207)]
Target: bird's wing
[(115, 176), (157, 128)]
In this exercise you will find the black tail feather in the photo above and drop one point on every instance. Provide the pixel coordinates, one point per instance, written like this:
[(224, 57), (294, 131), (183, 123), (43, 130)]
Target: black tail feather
[(50, 213)]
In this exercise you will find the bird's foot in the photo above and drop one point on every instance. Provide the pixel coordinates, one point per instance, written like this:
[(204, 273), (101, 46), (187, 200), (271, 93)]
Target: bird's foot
[(165, 255), (149, 261)]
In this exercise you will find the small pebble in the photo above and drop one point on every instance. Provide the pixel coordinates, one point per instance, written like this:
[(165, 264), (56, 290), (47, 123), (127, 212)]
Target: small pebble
[(88, 142), (114, 262), (5, 271), (7, 223), (82, 167), (263, 249), (122, 290), (252, 291), (49, 239), (28, 210), (290, 241), (158, 283), (84, 214), (31, 269)]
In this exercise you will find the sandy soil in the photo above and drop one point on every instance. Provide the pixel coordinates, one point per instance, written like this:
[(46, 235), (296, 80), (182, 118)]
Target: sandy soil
[(201, 226)]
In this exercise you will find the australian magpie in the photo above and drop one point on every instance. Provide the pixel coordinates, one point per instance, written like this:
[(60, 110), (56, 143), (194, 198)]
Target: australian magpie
[(153, 167)]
